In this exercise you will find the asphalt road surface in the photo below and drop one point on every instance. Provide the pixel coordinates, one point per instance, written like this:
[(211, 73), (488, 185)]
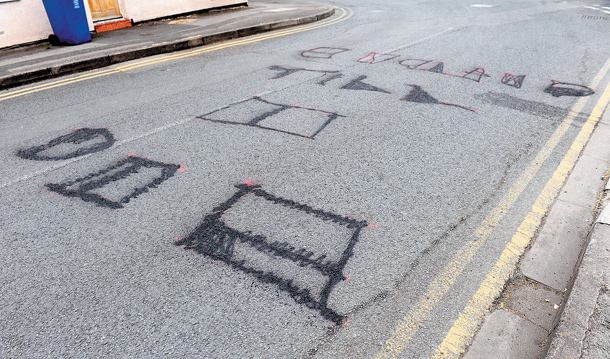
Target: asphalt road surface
[(292, 197)]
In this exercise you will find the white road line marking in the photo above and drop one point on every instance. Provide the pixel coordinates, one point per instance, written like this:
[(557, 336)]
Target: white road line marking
[(421, 40), (118, 144)]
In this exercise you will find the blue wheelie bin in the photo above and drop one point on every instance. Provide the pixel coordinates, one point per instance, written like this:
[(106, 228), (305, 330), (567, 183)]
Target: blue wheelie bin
[(68, 20)]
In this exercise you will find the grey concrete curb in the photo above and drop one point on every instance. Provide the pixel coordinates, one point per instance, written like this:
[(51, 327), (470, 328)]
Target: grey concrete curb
[(570, 333), (568, 337), (107, 60)]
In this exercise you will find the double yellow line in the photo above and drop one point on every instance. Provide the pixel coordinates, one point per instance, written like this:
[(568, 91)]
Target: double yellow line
[(465, 327), (344, 15)]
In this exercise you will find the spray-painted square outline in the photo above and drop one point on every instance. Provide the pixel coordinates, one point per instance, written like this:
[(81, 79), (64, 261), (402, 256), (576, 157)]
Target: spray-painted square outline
[(214, 239), (254, 122), (88, 183)]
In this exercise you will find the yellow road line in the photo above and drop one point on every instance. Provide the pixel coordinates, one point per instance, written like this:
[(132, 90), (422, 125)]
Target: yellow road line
[(245, 41), (435, 292), (345, 14), (464, 329), (55, 82)]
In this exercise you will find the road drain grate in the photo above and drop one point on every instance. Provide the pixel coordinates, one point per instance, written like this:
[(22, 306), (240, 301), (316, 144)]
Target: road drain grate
[(591, 17)]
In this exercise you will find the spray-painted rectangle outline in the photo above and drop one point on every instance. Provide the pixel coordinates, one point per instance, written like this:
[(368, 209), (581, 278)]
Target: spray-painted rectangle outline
[(254, 122), (103, 177), (214, 239)]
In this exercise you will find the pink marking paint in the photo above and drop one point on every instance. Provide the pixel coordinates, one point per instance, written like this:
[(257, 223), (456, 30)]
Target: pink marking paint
[(182, 169)]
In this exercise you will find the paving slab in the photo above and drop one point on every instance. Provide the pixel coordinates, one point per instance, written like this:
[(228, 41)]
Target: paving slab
[(586, 180), (604, 217), (572, 327), (505, 335), (554, 255), (536, 303), (597, 340)]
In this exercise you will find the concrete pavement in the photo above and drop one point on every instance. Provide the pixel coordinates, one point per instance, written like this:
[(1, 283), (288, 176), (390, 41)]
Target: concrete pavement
[(40, 62), (583, 330)]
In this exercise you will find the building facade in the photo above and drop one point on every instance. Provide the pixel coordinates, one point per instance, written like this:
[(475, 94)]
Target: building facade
[(26, 21)]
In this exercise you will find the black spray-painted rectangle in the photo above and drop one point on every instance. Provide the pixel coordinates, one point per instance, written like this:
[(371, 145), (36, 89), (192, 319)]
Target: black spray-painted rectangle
[(289, 119), (117, 184), (278, 241)]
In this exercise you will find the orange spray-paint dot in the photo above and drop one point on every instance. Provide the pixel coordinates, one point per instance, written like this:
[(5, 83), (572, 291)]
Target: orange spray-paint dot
[(131, 154), (182, 169), (248, 183)]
